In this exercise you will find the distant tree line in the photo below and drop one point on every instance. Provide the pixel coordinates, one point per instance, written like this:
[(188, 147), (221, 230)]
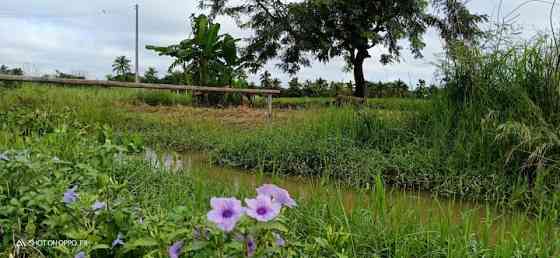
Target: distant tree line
[(399, 89), (296, 88), (209, 58), (4, 69), (63, 75), (323, 88)]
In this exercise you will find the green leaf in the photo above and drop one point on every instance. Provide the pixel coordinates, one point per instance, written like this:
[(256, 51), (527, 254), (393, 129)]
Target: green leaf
[(141, 242), (273, 226), (100, 247), (197, 245), (322, 242), (176, 234)]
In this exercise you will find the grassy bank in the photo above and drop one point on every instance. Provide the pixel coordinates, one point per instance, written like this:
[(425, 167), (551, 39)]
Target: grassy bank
[(408, 142), (151, 208)]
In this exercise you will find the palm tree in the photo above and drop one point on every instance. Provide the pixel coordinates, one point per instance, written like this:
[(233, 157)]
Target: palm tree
[(266, 80), (151, 75), (208, 55), (121, 66), (276, 84)]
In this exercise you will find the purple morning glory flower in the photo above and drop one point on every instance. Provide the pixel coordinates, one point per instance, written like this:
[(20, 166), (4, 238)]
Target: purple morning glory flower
[(80, 255), (70, 195), (251, 246), (225, 213), (278, 239), (262, 208), (98, 206), (119, 240), (277, 194), (175, 249)]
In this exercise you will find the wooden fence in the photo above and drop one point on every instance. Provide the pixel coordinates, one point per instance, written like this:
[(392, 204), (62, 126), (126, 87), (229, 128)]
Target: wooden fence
[(154, 86)]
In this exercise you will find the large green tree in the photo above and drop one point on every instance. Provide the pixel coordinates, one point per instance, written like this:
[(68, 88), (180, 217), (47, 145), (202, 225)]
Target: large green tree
[(297, 31), (208, 57), (325, 29)]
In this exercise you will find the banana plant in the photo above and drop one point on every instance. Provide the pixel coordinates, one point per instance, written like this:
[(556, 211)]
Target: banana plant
[(210, 58)]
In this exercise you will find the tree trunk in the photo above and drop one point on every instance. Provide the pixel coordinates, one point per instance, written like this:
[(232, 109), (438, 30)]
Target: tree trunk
[(203, 72), (361, 88)]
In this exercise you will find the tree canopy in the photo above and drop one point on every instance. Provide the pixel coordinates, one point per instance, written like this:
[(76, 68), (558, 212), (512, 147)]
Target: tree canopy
[(297, 32), (325, 29)]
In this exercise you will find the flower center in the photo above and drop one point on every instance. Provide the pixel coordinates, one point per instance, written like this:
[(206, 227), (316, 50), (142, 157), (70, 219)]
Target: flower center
[(227, 214), (261, 210)]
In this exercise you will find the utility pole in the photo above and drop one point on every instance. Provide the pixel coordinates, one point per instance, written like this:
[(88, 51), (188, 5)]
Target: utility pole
[(136, 77)]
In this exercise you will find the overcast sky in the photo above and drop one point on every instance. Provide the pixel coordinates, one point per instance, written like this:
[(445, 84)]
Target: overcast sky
[(85, 36)]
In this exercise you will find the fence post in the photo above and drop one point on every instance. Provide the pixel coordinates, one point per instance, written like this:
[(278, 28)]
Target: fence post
[(269, 102)]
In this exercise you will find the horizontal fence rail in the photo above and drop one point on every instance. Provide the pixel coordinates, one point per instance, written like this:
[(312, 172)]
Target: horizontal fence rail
[(136, 85)]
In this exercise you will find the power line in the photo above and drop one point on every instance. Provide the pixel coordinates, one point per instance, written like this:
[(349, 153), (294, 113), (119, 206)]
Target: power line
[(24, 14)]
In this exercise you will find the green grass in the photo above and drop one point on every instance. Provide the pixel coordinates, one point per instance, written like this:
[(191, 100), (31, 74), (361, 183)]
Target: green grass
[(163, 98), (492, 137), (321, 226), (401, 104), (405, 141), (370, 229)]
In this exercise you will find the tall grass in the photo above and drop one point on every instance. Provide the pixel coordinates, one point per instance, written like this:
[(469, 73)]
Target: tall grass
[(501, 115), (492, 135)]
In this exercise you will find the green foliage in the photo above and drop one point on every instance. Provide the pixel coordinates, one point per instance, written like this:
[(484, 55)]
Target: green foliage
[(121, 66), (33, 206), (459, 28), (4, 69), (62, 75), (327, 29), (362, 147), (209, 58), (150, 76), (389, 89), (509, 97), (322, 88)]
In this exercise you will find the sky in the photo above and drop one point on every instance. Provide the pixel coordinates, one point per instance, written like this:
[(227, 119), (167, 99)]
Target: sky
[(84, 36)]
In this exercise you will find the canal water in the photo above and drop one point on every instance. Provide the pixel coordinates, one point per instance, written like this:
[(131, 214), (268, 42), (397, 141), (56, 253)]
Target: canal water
[(482, 216)]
